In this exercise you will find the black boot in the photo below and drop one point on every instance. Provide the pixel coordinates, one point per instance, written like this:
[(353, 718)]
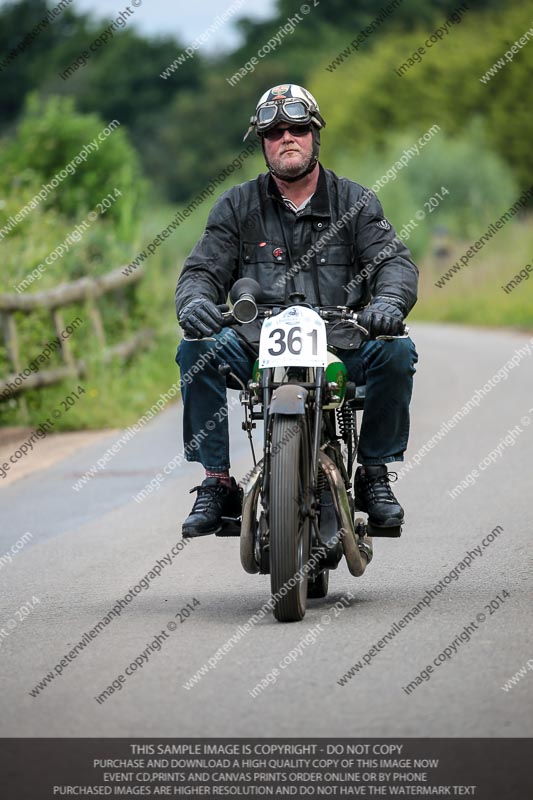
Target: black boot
[(373, 494), (214, 501)]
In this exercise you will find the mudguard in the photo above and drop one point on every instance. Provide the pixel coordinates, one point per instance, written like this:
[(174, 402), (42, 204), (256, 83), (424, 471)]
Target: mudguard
[(288, 399), (249, 516)]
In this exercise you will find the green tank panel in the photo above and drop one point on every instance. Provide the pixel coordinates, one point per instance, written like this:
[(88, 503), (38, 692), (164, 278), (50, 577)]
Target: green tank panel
[(336, 372)]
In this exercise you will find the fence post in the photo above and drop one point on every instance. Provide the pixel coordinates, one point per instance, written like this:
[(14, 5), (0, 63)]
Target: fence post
[(64, 344), (9, 328)]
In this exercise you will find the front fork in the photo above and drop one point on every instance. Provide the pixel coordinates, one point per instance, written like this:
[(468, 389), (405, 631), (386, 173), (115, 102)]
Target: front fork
[(315, 428)]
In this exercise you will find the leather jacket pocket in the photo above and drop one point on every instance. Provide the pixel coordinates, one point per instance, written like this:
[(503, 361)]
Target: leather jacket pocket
[(267, 264), (335, 267)]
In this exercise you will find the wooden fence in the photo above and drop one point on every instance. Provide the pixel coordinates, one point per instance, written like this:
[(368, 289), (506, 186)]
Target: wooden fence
[(85, 290)]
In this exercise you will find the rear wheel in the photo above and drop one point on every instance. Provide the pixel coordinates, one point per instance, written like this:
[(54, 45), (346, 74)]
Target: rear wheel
[(289, 518)]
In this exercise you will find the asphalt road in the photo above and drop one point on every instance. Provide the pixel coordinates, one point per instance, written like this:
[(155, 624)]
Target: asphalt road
[(88, 549)]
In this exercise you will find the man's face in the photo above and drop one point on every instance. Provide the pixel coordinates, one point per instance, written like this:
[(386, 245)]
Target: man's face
[(289, 155)]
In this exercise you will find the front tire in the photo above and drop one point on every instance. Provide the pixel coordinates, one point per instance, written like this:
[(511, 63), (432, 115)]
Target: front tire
[(289, 518)]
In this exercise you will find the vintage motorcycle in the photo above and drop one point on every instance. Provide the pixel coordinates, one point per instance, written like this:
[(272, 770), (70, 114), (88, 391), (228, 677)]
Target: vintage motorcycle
[(298, 515)]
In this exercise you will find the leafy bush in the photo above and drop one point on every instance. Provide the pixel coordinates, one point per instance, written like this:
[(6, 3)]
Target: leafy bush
[(60, 239), (364, 100), (479, 183), (49, 136)]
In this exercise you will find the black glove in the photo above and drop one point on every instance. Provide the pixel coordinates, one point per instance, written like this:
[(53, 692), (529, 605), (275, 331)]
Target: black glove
[(382, 318), (200, 317)]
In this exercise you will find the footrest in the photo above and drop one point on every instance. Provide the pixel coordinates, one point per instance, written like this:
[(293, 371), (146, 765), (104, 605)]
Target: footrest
[(231, 526), (389, 533)]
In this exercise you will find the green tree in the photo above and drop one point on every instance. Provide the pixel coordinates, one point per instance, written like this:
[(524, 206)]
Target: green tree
[(120, 81), (35, 64), (49, 136), (365, 100)]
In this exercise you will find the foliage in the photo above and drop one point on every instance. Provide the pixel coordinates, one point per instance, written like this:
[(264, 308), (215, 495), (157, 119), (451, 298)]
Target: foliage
[(443, 88), (35, 65), (120, 81), (474, 177), (51, 133), (187, 126), (49, 137), (475, 295), (117, 393)]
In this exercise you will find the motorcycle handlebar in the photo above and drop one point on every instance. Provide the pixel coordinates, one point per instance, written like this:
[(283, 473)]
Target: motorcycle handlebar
[(246, 294), (246, 303)]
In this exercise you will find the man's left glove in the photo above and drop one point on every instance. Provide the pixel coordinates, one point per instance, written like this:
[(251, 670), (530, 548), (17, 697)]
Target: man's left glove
[(200, 317), (383, 317)]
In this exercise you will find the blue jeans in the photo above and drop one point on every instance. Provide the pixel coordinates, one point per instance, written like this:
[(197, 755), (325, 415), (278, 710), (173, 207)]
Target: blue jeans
[(386, 367)]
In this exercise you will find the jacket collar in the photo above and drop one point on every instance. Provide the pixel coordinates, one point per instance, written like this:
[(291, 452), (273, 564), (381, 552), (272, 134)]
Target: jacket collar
[(319, 202)]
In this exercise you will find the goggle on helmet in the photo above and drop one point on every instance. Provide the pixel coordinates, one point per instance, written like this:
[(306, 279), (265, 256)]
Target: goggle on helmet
[(286, 103)]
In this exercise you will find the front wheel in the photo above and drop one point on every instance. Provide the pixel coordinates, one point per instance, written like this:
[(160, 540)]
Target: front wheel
[(289, 516)]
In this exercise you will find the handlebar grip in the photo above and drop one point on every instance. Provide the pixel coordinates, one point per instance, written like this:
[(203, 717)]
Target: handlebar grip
[(383, 337), (404, 335)]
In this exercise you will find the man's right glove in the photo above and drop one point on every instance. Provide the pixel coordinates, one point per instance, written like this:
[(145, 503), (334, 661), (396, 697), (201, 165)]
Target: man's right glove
[(200, 317), (382, 318)]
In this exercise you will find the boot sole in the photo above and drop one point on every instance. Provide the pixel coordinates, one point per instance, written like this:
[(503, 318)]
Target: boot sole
[(230, 526), (193, 533)]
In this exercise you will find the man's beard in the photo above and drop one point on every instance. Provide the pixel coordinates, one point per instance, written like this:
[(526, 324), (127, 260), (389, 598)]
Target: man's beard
[(283, 169)]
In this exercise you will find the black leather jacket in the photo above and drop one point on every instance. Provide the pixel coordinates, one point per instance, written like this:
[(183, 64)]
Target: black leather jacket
[(340, 250)]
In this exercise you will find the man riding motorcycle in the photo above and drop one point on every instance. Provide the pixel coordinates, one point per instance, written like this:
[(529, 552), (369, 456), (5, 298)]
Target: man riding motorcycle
[(297, 228)]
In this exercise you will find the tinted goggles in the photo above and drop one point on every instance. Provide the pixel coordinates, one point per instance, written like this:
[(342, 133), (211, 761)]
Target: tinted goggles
[(289, 110), (274, 134)]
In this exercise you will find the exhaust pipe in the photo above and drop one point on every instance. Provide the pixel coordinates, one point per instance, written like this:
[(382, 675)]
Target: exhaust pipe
[(357, 549), (248, 523)]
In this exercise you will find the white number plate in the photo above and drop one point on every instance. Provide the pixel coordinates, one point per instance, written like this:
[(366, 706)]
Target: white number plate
[(294, 338)]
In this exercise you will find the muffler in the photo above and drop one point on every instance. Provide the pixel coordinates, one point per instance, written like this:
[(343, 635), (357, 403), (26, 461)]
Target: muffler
[(357, 549)]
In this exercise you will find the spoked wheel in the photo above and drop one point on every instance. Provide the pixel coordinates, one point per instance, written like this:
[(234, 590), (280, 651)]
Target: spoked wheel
[(289, 523), (318, 586)]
